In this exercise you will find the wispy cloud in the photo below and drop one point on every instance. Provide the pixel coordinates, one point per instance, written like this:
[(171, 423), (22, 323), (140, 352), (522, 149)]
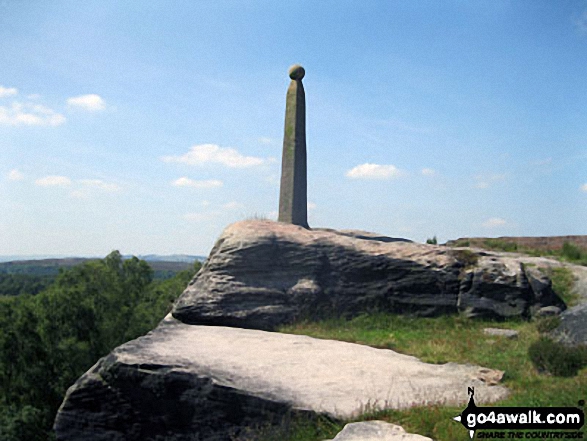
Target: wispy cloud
[(494, 222), (428, 172), (53, 181), (233, 205), (28, 114), (486, 181), (542, 162), (374, 171), (8, 91), (90, 102), (214, 154), (200, 217), (583, 188), (14, 175), (187, 182), (311, 206), (581, 22), (99, 184), (265, 140)]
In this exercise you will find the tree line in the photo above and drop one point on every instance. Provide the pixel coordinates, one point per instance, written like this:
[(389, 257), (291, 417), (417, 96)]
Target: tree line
[(50, 339)]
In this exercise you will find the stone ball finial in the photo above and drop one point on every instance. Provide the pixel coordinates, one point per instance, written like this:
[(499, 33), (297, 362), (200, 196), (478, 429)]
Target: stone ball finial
[(296, 72)]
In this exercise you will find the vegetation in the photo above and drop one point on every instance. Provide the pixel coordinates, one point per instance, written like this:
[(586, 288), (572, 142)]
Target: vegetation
[(433, 241), (569, 252), (562, 283), (454, 339), (556, 358), (466, 257), (17, 284), (500, 245), (47, 341)]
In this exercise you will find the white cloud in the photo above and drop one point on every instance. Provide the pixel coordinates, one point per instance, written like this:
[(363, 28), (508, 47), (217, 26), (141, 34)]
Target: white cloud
[(8, 91), (374, 171), (233, 205), (581, 22), (97, 183), (212, 153), (494, 222), (90, 102), (53, 181), (428, 172), (486, 181), (265, 140), (311, 206), (187, 182), (199, 217), (29, 115), (15, 175), (583, 188)]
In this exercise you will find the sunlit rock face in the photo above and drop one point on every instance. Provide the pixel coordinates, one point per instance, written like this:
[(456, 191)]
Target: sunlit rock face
[(262, 274)]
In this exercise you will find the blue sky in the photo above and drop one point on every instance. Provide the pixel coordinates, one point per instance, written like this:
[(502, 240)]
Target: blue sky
[(148, 127)]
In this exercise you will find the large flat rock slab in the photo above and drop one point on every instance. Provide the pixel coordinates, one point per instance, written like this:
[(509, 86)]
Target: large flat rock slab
[(198, 382)]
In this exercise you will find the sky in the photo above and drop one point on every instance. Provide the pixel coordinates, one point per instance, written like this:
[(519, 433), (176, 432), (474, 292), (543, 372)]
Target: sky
[(148, 127)]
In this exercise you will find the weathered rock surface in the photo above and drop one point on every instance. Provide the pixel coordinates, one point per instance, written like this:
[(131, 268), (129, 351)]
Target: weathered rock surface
[(573, 327), (186, 382), (261, 274), (376, 431), (498, 332)]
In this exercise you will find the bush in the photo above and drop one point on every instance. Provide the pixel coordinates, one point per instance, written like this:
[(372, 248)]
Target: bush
[(432, 241), (500, 245), (572, 252), (556, 358), (467, 258), (547, 324)]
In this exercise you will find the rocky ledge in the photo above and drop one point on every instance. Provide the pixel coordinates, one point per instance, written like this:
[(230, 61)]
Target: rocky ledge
[(186, 382), (262, 274)]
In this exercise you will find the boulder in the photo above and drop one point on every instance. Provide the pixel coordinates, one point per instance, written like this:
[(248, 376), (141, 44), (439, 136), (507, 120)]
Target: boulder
[(262, 274), (573, 326), (376, 431), (187, 382), (498, 332)]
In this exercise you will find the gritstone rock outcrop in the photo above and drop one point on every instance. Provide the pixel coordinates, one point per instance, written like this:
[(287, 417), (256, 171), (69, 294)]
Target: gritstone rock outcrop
[(262, 274), (185, 382)]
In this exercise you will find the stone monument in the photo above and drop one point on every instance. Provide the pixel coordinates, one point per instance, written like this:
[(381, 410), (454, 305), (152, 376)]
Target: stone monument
[(293, 204)]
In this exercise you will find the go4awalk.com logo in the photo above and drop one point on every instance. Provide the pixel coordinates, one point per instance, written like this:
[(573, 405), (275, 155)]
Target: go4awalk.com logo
[(537, 422)]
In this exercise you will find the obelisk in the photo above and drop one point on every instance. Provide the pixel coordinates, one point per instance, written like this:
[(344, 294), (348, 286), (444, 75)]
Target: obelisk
[(293, 204)]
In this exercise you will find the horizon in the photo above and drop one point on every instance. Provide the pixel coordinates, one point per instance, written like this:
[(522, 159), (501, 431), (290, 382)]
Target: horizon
[(151, 127)]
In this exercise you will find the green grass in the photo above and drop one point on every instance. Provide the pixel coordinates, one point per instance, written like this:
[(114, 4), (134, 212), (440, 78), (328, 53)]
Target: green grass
[(568, 253), (441, 340), (563, 281)]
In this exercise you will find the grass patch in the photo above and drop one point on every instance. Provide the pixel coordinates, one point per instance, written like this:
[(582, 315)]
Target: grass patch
[(563, 281), (467, 257), (452, 339), (568, 253), (500, 245), (556, 358)]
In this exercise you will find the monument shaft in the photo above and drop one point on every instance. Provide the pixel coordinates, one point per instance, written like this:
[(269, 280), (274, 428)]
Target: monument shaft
[(293, 203)]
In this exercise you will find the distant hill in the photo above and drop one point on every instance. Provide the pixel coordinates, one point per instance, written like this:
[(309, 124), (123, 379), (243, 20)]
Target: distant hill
[(171, 258), (536, 243), (163, 266)]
